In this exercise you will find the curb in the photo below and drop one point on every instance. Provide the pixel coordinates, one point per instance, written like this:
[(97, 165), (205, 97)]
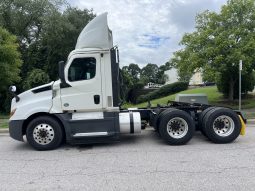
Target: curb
[(4, 130)]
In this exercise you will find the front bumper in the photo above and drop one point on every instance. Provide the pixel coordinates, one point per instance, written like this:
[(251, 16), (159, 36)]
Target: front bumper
[(15, 129)]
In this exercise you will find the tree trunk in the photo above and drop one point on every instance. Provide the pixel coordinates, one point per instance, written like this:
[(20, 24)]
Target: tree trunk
[(231, 90)]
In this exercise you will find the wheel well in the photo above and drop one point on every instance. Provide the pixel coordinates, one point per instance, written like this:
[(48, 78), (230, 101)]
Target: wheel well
[(30, 118)]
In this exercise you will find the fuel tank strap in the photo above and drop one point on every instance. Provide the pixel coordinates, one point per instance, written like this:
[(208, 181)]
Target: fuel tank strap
[(131, 122)]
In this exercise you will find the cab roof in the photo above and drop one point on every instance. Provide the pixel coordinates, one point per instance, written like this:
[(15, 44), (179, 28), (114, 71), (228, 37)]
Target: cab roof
[(96, 34)]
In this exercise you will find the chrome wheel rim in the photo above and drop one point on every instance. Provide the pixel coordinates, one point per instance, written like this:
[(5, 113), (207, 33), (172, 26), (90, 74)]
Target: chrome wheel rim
[(177, 127), (43, 134), (223, 126)]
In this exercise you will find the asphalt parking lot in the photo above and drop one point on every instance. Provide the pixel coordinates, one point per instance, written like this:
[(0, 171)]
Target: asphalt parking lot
[(141, 162)]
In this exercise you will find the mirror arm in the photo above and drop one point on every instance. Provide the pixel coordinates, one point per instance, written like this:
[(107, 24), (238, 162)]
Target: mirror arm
[(17, 98)]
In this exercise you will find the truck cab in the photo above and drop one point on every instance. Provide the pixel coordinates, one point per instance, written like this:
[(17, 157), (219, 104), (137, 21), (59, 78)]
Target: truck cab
[(84, 101)]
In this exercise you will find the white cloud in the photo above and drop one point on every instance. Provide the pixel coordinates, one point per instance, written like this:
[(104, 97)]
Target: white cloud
[(148, 31)]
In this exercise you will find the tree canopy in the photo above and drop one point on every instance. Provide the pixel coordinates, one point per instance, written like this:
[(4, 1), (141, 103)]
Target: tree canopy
[(10, 63), (135, 78), (218, 43), (46, 32)]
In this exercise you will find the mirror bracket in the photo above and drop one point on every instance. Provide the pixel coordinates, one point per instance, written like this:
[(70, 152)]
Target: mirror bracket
[(61, 75)]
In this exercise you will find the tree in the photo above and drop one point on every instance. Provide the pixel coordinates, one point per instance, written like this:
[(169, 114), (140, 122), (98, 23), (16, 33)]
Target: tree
[(219, 42), (24, 18), (149, 73), (134, 79), (161, 77), (126, 83), (209, 74), (181, 61), (35, 78), (60, 34), (47, 31), (10, 63), (134, 71), (131, 82)]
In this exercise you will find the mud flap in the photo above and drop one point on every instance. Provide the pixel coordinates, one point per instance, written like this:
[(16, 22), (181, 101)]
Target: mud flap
[(243, 128)]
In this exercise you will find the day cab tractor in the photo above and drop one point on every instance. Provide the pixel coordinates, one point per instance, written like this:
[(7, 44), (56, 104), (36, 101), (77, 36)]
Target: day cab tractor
[(83, 106)]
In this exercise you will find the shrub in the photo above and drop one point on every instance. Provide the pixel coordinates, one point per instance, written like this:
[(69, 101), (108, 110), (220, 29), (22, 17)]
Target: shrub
[(134, 94), (163, 91)]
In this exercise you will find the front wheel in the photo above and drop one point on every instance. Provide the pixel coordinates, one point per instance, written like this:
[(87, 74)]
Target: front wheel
[(44, 133), (176, 127)]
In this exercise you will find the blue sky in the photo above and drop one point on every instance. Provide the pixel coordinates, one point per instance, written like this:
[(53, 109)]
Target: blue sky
[(152, 41), (149, 31)]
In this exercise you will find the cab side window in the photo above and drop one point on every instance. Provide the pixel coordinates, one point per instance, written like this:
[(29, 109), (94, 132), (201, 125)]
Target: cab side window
[(82, 69)]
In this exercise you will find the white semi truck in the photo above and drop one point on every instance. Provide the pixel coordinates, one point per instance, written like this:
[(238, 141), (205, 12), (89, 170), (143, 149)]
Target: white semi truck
[(83, 106)]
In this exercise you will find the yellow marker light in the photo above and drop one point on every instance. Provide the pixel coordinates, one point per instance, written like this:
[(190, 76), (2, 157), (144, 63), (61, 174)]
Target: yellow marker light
[(243, 128)]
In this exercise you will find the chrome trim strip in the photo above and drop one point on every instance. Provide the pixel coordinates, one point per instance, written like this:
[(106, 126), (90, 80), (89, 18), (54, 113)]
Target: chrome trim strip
[(90, 134)]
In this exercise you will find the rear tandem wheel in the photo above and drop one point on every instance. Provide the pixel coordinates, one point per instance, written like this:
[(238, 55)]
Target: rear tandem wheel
[(176, 127), (221, 125), (201, 119)]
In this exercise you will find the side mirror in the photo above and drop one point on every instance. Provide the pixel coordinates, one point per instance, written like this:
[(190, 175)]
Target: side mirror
[(61, 74), (12, 90), (61, 71)]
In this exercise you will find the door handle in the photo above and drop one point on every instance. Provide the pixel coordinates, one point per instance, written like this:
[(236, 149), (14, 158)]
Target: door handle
[(96, 99)]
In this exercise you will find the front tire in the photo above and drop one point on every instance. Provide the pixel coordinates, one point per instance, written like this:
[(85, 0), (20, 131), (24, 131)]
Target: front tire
[(176, 127), (44, 133)]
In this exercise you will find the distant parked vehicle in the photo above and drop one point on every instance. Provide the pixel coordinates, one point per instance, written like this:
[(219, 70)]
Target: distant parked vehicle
[(209, 84), (153, 85)]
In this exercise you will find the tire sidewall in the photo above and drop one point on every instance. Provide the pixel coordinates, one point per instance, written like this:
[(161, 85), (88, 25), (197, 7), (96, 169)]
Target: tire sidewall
[(160, 116), (202, 117), (163, 127), (57, 131)]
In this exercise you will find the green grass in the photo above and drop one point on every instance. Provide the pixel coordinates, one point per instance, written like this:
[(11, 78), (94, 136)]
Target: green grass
[(4, 125), (3, 121), (214, 98)]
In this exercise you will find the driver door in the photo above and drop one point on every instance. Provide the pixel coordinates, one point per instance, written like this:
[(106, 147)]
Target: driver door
[(83, 74)]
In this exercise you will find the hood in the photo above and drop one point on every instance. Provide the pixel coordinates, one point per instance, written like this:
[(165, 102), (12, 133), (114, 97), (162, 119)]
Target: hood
[(38, 89), (29, 95)]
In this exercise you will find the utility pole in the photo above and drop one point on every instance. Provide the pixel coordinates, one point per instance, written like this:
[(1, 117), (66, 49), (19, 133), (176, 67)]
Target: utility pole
[(240, 83)]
